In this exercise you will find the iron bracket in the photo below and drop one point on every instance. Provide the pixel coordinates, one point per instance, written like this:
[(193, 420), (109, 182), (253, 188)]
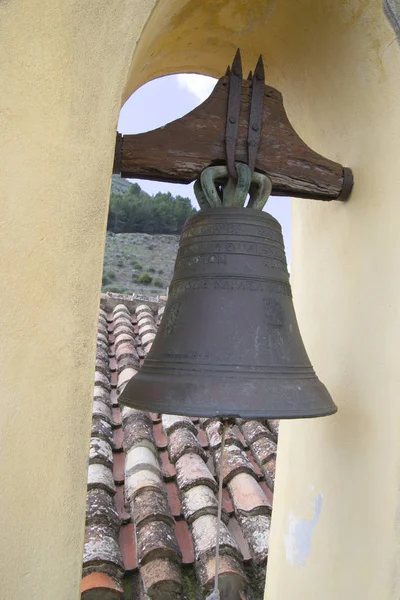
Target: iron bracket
[(232, 116)]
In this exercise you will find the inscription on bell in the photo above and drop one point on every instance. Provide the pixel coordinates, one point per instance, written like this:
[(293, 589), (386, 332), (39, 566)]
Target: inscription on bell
[(203, 259), (249, 248), (212, 229), (267, 233), (233, 284)]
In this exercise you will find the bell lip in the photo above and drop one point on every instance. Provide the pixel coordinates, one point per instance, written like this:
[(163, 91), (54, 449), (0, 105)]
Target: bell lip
[(153, 393), (222, 415)]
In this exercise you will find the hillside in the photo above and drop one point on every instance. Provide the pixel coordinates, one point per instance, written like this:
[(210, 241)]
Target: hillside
[(142, 239), (119, 185), (129, 256)]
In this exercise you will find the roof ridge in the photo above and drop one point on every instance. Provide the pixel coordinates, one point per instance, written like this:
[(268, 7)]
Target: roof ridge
[(109, 300)]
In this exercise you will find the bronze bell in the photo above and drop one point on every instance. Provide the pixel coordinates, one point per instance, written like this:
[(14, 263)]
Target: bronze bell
[(229, 344)]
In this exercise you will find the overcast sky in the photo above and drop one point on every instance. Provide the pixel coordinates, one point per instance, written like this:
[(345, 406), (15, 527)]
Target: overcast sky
[(166, 99)]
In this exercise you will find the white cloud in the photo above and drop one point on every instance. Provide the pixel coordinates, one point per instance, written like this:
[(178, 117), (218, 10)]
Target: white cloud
[(200, 86)]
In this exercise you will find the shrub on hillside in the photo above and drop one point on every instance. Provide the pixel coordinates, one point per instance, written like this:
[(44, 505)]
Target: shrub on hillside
[(145, 279), (108, 277), (158, 283)]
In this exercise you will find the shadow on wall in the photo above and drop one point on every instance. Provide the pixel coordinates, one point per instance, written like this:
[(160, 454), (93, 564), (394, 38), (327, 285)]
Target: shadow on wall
[(392, 12)]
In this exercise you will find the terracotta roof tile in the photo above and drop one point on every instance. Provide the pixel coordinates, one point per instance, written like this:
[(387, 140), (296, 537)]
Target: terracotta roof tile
[(203, 440), (101, 429), (159, 436), (99, 586), (248, 427), (213, 429), (127, 544), (124, 376), (268, 469), (114, 398), (120, 505), (173, 499), (237, 534), (100, 452), (172, 422), (122, 320), (125, 337), (141, 457), (101, 547), (256, 530), (100, 508), (247, 495), (116, 417), (138, 429), (138, 481), (102, 380), (102, 366), (162, 579), (231, 576), (124, 331), (147, 326), (152, 505), (118, 439), (191, 470), (185, 542), (162, 517), (197, 501), (157, 540), (227, 502), (235, 461), (142, 308), (256, 468), (204, 531), (102, 477), (182, 441), (168, 469), (147, 338), (267, 491), (119, 468), (100, 393)]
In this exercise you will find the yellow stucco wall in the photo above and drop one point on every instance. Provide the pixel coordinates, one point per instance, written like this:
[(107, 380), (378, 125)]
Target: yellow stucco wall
[(63, 67), (64, 71), (335, 532)]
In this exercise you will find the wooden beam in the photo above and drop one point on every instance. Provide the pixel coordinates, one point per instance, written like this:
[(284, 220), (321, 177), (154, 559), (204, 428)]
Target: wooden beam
[(181, 150)]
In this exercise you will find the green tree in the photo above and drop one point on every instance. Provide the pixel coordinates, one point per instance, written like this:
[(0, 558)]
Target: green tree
[(138, 212)]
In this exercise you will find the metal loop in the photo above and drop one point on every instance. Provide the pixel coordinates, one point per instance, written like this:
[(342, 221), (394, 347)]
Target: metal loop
[(200, 195), (260, 191), (207, 179), (215, 182), (235, 191)]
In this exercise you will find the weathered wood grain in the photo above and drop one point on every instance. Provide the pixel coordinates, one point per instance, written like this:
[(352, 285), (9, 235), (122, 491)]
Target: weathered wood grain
[(179, 151)]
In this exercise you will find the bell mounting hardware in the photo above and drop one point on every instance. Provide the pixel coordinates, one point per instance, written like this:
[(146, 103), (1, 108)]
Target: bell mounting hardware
[(243, 120)]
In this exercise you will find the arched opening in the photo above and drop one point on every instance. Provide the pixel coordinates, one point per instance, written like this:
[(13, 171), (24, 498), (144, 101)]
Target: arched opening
[(127, 259)]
